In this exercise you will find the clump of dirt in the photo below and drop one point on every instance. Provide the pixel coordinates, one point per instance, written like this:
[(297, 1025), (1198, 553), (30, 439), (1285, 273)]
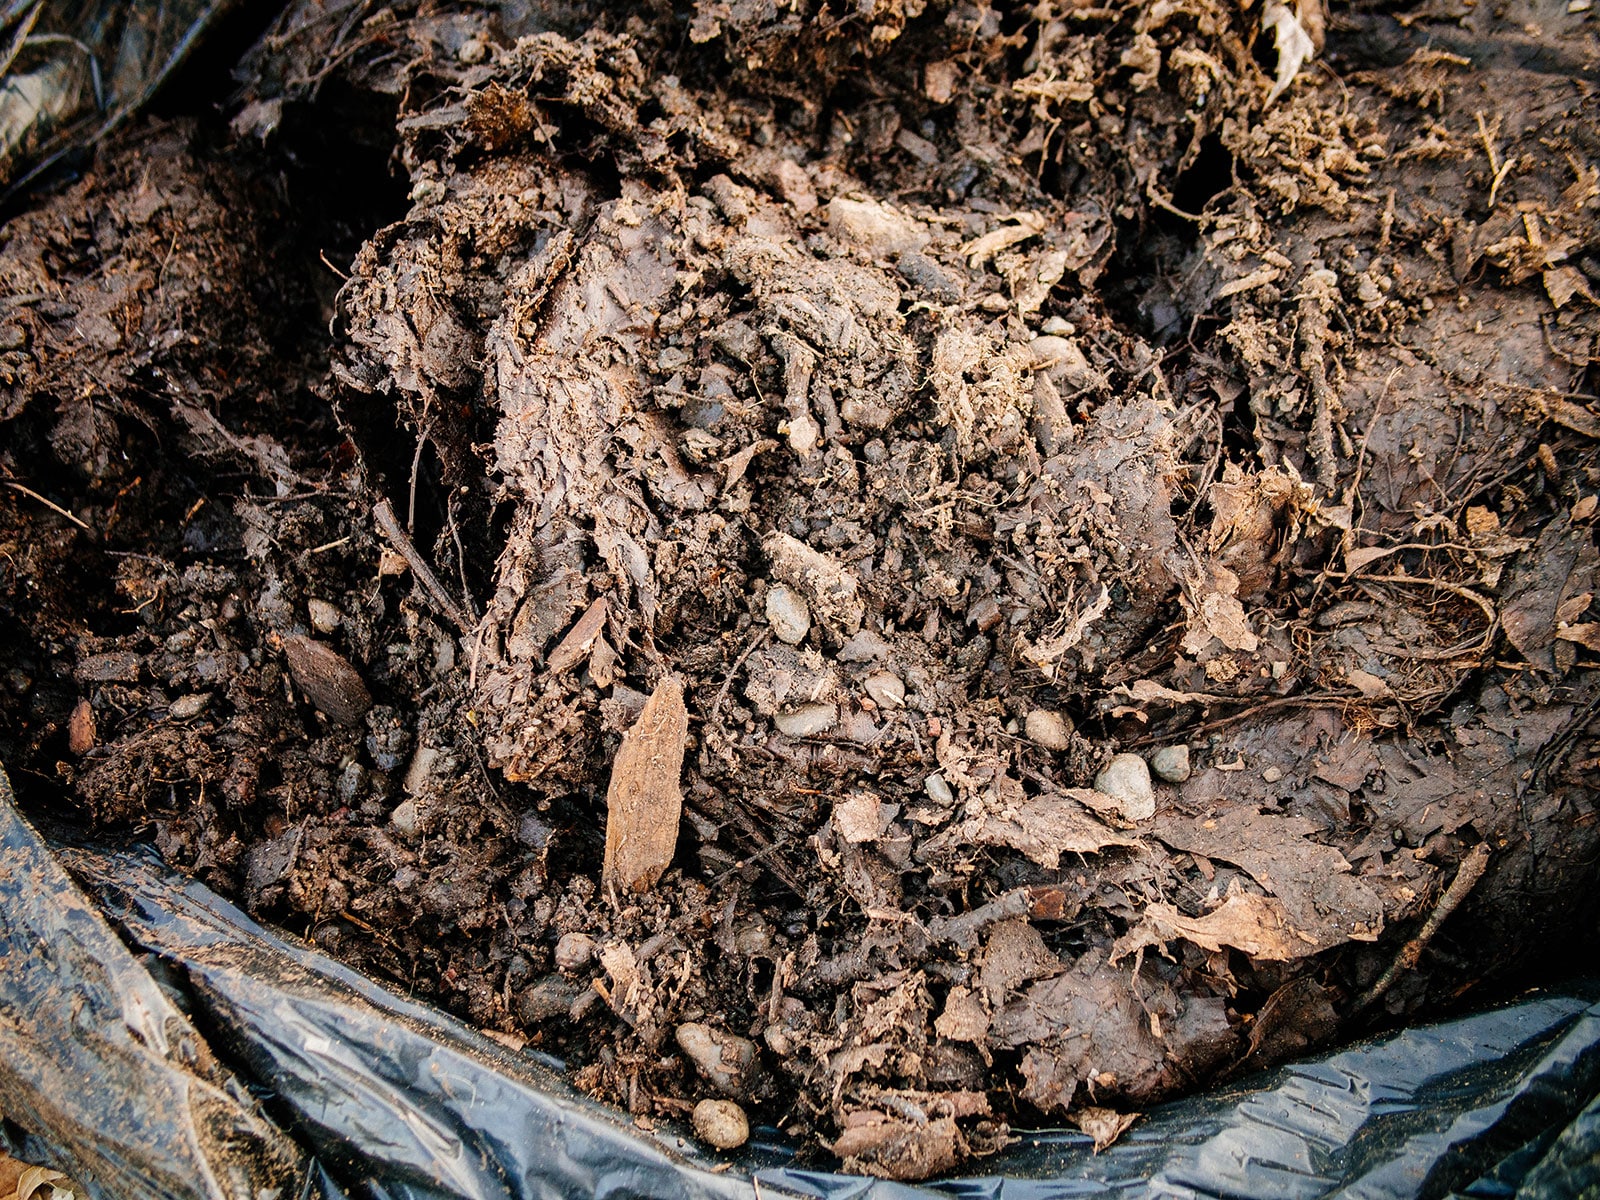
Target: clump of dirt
[(965, 412)]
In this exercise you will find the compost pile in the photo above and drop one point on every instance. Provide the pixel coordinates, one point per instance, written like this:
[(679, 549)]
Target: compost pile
[(934, 412)]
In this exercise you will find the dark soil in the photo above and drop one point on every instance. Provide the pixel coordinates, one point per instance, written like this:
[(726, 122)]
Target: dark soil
[(948, 398)]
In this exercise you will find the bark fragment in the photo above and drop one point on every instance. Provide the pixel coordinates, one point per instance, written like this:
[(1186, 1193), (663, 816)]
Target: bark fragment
[(644, 803)]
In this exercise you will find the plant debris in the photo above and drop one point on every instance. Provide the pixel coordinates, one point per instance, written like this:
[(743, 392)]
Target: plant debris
[(905, 573)]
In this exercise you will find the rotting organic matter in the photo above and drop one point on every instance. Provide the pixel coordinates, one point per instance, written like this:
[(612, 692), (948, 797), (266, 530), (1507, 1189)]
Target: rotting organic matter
[(865, 382)]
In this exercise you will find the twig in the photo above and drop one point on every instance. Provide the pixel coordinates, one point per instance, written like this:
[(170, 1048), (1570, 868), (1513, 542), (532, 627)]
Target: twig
[(722, 694), (1311, 700), (1498, 170), (48, 503), (383, 513), (1467, 875)]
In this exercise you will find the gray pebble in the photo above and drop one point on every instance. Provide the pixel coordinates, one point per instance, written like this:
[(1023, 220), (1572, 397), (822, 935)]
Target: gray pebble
[(788, 614), (938, 790), (1126, 779), (574, 952), (186, 708), (886, 689), (1171, 763), (325, 617), (406, 817), (808, 720)]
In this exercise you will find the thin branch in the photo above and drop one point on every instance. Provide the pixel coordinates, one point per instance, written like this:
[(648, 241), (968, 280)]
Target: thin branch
[(48, 503), (383, 513)]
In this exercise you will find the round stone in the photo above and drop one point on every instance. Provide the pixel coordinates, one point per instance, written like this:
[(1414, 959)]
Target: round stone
[(1171, 763), (721, 1124), (1126, 779)]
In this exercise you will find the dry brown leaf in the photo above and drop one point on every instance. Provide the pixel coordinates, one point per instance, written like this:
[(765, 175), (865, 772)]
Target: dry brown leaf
[(1585, 634), (1323, 900), (1024, 225), (862, 817), (1214, 609), (1258, 925), (964, 1019), (1044, 828), (1104, 1125)]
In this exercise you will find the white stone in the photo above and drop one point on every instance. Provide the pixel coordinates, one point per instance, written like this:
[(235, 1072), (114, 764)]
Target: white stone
[(886, 689), (938, 790), (186, 708), (721, 1124), (788, 614), (724, 1059), (574, 952), (325, 617), (1126, 779), (406, 817)]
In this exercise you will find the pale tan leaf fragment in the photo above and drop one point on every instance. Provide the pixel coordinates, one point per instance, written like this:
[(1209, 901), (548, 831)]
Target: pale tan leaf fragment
[(1585, 634), (1294, 44), (1044, 828), (1104, 1125), (1258, 925), (964, 1019)]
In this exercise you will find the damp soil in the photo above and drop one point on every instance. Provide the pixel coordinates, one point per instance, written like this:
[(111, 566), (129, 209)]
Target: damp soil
[(937, 414)]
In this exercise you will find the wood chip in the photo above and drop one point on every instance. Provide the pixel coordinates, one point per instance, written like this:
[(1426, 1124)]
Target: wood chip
[(327, 680), (81, 731), (644, 803), (575, 648)]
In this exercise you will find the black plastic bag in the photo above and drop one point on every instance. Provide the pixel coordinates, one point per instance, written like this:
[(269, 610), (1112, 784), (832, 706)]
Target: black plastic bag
[(98, 1061), (71, 72), (394, 1099)]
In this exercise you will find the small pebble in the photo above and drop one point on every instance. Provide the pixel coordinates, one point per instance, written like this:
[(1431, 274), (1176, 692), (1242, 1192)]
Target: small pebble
[(1171, 763), (808, 720), (938, 790), (546, 1000), (325, 617), (186, 708), (788, 614), (1126, 779), (1048, 729), (721, 1124), (724, 1059), (1272, 775), (574, 952), (886, 690), (405, 817)]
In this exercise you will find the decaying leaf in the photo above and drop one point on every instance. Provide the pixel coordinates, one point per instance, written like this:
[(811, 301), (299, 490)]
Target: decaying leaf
[(1258, 925), (1044, 828), (1104, 1125), (1294, 44), (1321, 898)]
